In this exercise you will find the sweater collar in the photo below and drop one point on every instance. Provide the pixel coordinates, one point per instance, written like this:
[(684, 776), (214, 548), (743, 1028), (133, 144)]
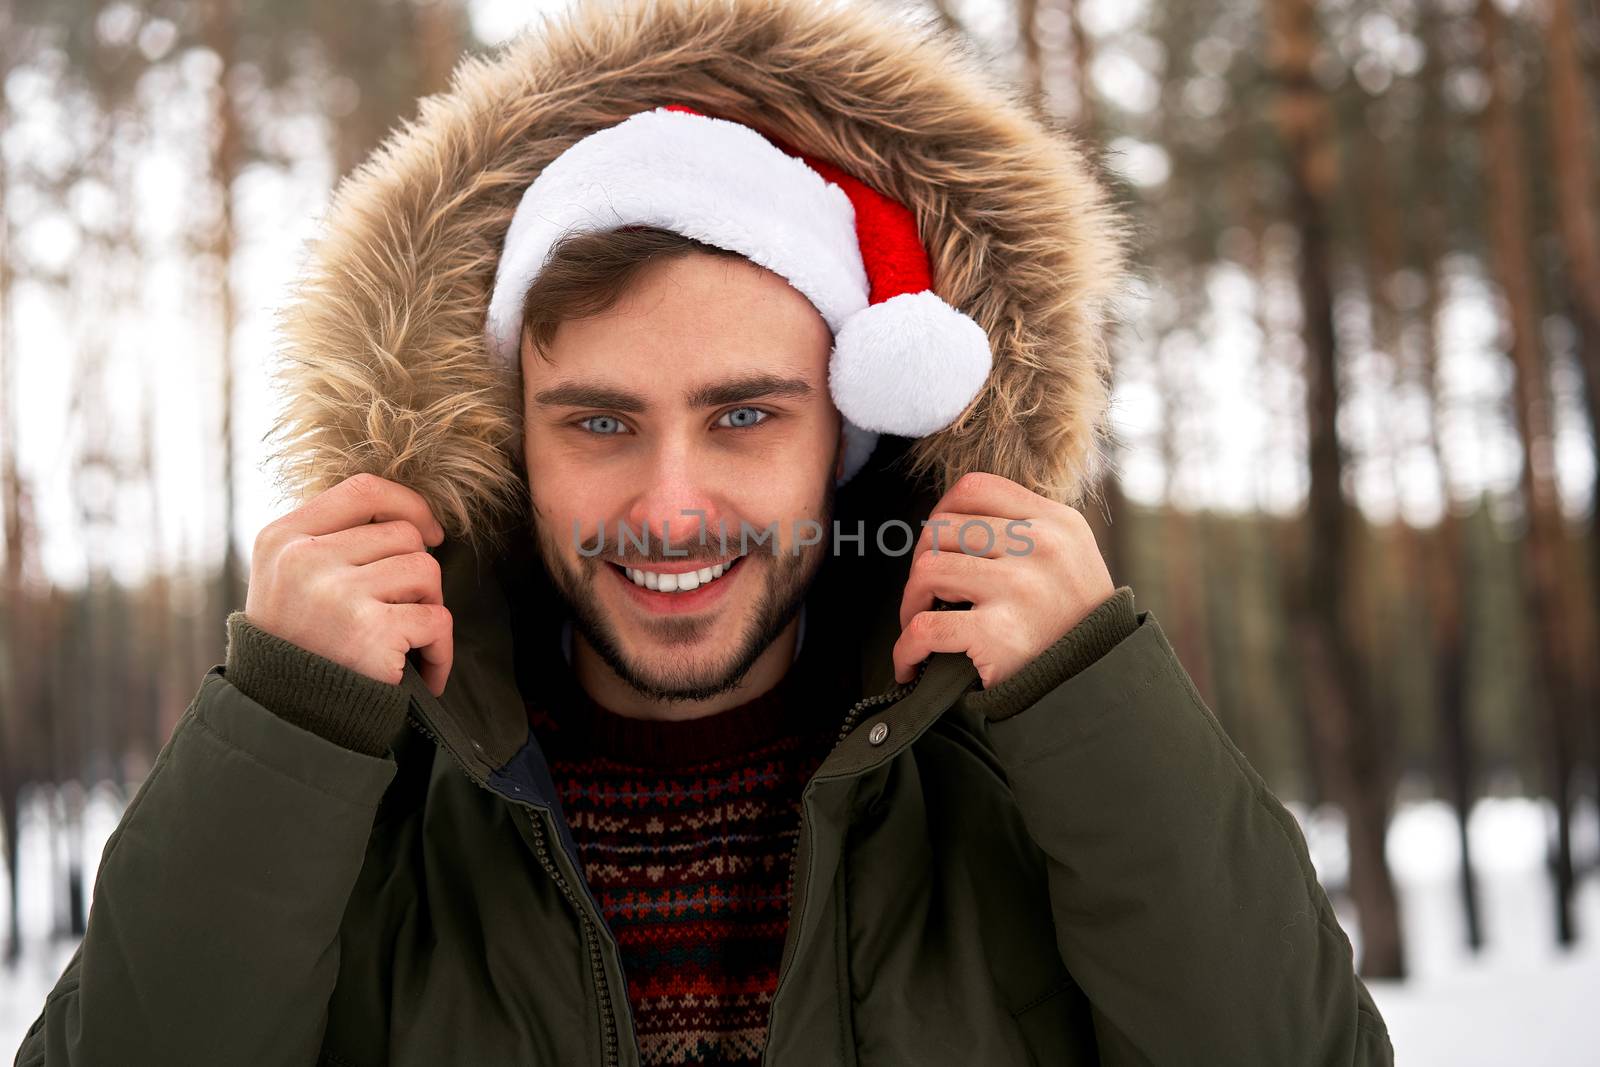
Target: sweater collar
[(580, 727)]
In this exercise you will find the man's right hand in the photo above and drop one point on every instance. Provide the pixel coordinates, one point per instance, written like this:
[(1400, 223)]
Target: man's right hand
[(347, 575)]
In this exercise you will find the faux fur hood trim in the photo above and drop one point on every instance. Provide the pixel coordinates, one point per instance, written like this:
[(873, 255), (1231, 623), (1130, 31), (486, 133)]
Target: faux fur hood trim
[(385, 367)]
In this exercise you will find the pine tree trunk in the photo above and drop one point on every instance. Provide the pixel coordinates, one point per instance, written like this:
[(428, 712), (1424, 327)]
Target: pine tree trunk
[(11, 517), (1182, 548), (1082, 54), (1032, 53), (225, 159), (1355, 768), (1509, 217), (1449, 579), (437, 43), (1572, 133)]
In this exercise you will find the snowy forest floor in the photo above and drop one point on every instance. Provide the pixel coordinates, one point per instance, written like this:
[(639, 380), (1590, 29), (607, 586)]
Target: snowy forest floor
[(1520, 1000)]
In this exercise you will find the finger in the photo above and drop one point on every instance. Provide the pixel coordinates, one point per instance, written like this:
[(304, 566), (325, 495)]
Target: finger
[(934, 631), (975, 535), (430, 630), (989, 494), (360, 545), (360, 499), (951, 576), (413, 578)]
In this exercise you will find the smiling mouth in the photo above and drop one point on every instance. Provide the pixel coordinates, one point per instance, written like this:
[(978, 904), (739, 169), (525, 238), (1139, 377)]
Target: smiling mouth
[(684, 582)]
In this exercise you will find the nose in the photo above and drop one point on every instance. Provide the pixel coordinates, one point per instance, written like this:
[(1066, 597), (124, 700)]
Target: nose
[(676, 503)]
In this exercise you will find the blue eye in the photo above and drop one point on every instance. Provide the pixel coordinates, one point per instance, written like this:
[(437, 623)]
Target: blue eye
[(607, 424), (743, 417)]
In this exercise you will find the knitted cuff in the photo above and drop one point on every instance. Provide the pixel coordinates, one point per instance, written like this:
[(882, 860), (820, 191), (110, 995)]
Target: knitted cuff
[(1100, 631), (311, 691)]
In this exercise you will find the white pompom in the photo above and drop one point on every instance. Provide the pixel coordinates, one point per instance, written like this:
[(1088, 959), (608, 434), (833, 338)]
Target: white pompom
[(908, 365)]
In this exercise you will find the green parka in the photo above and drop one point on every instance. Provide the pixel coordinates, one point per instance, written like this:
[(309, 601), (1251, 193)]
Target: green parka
[(1073, 867), (1071, 872)]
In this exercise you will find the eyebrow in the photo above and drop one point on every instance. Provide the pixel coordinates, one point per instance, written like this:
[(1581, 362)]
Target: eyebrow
[(728, 391)]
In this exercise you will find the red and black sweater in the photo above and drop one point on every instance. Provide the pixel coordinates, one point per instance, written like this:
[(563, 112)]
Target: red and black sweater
[(686, 832)]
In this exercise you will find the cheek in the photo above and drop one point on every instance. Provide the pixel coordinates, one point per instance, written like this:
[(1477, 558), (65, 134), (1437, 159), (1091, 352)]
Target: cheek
[(790, 478), (789, 502), (808, 448), (562, 495), (568, 513)]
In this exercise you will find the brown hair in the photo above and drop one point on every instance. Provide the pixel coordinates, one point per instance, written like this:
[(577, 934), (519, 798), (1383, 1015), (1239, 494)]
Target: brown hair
[(586, 273)]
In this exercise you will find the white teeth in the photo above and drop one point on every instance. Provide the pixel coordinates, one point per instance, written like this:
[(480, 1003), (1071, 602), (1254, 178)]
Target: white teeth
[(674, 583)]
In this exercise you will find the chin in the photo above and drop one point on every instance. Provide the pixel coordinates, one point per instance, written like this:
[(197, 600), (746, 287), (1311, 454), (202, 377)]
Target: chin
[(689, 680), (698, 675), (693, 648), (684, 657), (696, 645)]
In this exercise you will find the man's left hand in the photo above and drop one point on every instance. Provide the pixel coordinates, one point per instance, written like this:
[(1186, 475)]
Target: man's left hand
[(1028, 565)]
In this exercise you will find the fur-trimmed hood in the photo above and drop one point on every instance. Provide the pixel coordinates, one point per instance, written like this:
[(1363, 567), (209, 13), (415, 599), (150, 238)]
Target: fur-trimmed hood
[(386, 369)]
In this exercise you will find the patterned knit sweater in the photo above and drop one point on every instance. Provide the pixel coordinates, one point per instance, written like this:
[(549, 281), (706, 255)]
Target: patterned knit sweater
[(686, 832)]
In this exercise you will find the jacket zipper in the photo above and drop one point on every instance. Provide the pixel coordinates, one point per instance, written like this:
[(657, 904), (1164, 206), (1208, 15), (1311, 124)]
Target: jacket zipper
[(796, 906), (591, 935), (864, 703), (591, 940)]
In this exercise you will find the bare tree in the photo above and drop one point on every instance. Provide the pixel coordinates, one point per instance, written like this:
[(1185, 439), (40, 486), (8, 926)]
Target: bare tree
[(1355, 767), (1572, 134), (1448, 578), (1509, 218), (1183, 548), (437, 36), (1032, 50), (13, 518), (225, 159), (1086, 115)]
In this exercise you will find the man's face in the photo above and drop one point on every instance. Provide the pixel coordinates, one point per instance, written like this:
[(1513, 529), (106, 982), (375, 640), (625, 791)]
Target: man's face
[(705, 389)]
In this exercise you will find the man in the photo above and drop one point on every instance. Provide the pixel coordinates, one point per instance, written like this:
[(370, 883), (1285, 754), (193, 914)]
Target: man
[(684, 650)]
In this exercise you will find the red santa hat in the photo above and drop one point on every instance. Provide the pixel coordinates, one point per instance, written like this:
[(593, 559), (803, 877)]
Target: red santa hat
[(903, 362)]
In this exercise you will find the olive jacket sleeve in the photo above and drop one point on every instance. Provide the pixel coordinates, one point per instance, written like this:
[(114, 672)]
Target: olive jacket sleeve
[(1184, 900), (213, 935)]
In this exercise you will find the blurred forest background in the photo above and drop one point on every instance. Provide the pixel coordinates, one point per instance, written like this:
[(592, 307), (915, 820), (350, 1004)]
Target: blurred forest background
[(1356, 399)]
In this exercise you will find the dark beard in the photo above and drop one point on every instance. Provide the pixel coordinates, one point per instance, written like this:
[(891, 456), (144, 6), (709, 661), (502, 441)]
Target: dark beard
[(789, 578)]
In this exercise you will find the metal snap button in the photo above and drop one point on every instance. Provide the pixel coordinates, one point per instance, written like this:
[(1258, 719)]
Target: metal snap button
[(879, 733)]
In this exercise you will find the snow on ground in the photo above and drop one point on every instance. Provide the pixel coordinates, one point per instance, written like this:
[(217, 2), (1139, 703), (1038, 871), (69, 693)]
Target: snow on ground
[(1522, 1000), (1528, 1014), (1519, 1001)]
